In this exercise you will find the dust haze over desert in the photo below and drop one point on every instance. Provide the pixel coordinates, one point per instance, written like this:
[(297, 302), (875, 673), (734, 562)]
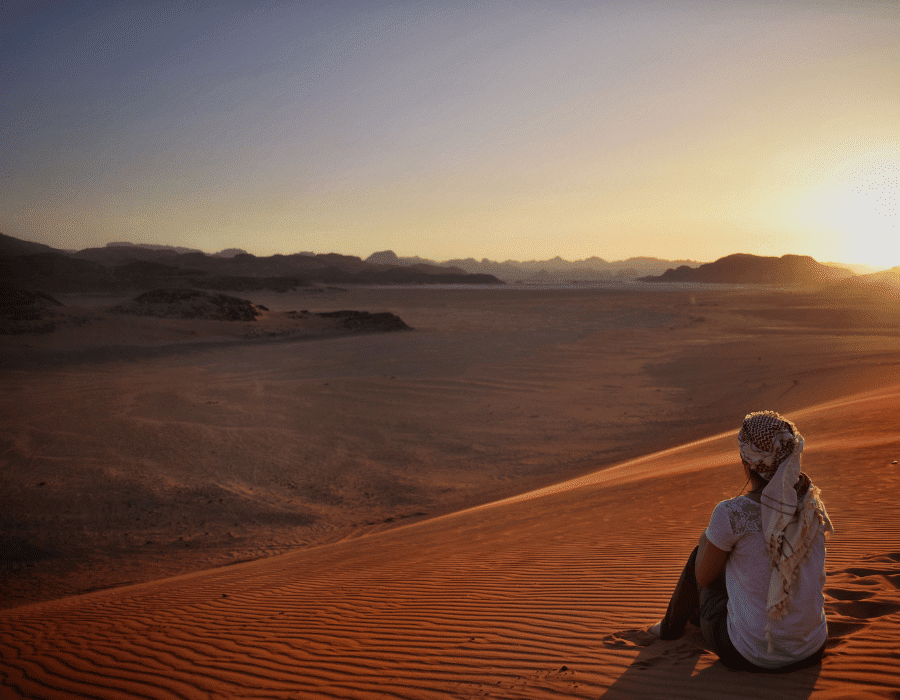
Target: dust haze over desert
[(363, 350)]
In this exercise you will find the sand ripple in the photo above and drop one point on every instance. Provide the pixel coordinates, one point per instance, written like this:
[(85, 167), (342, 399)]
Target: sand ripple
[(539, 597)]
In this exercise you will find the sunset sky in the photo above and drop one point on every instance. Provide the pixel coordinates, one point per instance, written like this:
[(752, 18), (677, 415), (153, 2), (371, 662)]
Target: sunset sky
[(506, 129)]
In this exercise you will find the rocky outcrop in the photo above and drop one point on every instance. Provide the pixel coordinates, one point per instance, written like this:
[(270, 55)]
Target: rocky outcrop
[(363, 321), (190, 303), (23, 311)]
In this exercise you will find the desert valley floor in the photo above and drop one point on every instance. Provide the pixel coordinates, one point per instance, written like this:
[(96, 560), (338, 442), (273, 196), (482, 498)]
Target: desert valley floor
[(494, 504)]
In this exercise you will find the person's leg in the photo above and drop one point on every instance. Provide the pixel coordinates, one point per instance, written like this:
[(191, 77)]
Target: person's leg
[(684, 604)]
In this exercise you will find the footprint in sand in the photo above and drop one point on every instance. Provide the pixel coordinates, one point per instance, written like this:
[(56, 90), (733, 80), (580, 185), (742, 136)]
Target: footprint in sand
[(865, 609), (630, 638), (885, 557), (842, 594), (673, 655), (648, 663), (856, 588), (838, 630), (861, 594)]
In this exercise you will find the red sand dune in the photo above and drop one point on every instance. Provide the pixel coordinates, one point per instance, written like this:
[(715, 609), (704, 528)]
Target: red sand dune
[(544, 595)]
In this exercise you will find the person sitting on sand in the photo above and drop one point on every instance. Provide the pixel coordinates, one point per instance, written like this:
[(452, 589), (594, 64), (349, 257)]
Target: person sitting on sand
[(754, 583)]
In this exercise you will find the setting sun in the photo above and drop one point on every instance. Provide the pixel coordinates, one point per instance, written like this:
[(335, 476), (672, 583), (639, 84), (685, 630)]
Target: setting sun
[(856, 203)]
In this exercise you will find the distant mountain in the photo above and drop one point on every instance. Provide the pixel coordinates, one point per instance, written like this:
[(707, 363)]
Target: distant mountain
[(385, 257), (742, 268), (125, 267), (883, 285), (121, 267), (230, 253), (554, 271), (152, 246), (55, 272), (11, 247), (858, 268), (227, 253)]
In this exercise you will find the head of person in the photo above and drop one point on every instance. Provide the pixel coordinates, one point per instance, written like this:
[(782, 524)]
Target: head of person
[(765, 440)]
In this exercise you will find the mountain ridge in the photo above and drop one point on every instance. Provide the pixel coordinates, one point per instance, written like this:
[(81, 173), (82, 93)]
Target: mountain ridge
[(555, 270), (124, 267), (744, 268)]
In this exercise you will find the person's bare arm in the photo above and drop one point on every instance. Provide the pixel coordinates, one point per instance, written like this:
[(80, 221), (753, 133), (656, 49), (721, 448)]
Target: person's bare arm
[(710, 561)]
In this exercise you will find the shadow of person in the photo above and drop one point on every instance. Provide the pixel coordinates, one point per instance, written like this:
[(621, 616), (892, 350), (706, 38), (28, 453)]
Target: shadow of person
[(668, 669)]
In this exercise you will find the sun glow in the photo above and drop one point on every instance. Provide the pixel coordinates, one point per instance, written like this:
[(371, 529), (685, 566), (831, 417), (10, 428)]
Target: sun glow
[(857, 204)]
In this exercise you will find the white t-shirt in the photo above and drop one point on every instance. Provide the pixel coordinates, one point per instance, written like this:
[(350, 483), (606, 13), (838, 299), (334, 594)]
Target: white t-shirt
[(736, 527)]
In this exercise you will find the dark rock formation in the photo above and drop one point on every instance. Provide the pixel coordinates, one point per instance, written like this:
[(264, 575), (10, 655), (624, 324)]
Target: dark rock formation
[(189, 303), (16, 300), (365, 321), (23, 311)]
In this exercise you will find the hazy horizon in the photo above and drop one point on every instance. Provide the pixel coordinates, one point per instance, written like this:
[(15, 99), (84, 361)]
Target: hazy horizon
[(364, 256), (450, 130)]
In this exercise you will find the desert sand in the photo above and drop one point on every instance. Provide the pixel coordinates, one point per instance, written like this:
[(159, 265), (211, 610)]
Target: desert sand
[(495, 505)]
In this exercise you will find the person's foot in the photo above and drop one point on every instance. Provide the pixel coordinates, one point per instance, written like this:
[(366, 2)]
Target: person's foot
[(656, 630)]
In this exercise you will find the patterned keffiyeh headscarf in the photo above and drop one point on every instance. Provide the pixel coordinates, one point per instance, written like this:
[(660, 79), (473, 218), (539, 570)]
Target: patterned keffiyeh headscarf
[(792, 511)]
